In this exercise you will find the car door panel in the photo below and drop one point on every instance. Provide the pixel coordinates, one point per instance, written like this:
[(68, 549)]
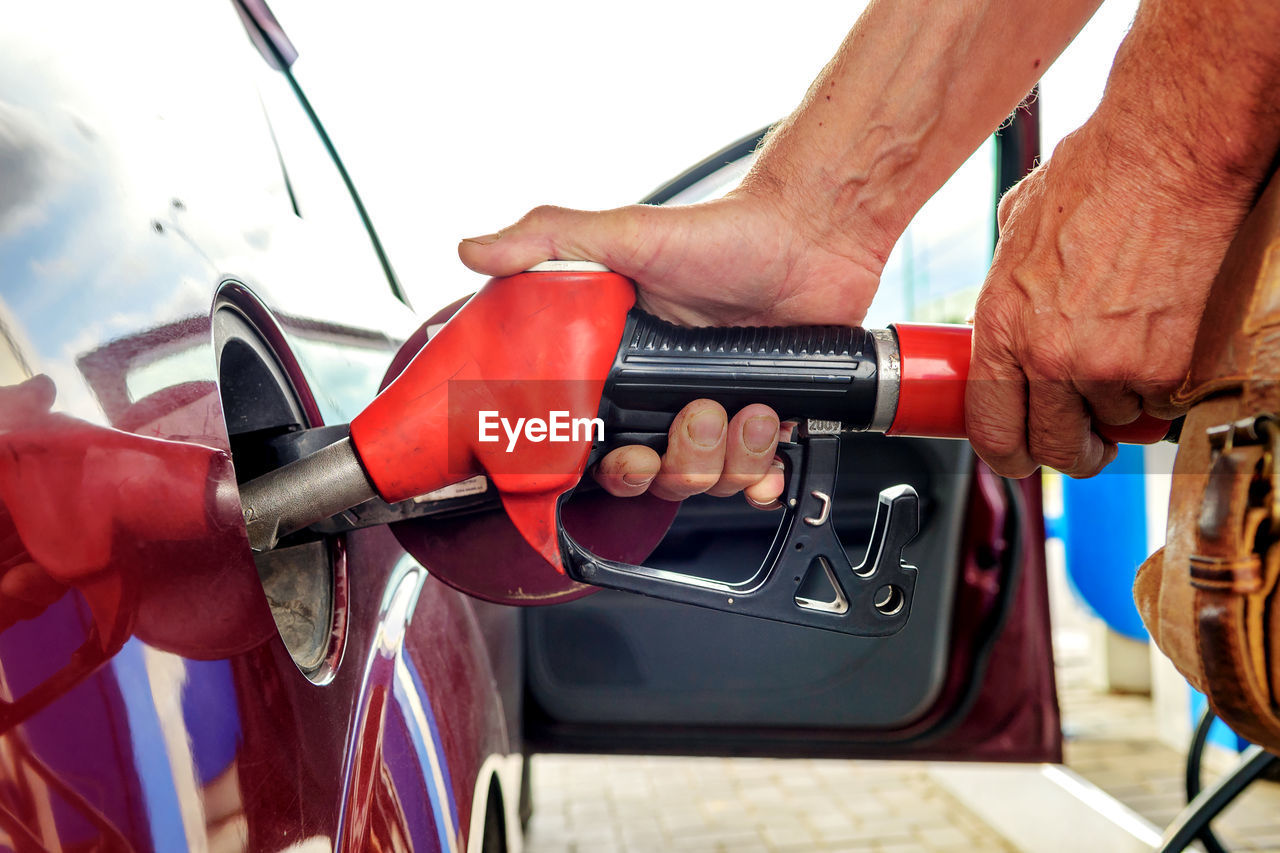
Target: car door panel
[(719, 668), (994, 697)]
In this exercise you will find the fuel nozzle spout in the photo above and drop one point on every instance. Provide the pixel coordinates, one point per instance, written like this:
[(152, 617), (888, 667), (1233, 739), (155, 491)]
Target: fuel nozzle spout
[(302, 493), (520, 346)]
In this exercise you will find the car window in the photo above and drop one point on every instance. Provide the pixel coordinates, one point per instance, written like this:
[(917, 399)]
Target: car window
[(935, 270)]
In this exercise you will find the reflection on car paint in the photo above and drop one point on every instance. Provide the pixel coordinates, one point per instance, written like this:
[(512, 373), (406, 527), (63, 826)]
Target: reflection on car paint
[(154, 527), (420, 724), (133, 498), (158, 523), (148, 702)]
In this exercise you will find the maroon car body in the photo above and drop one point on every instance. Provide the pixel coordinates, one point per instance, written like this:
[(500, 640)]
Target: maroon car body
[(185, 276), (155, 253)]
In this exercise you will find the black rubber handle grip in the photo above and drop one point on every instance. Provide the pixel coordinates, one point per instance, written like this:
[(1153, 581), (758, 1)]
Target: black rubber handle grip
[(826, 372)]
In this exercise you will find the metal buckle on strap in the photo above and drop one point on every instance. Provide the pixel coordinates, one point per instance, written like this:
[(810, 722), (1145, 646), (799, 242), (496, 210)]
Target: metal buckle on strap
[(1261, 430), (1248, 448)]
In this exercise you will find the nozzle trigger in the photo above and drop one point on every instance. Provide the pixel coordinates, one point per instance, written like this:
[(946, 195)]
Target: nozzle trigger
[(806, 578)]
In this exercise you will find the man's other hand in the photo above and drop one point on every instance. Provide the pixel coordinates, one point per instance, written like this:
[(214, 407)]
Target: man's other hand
[(1091, 306)]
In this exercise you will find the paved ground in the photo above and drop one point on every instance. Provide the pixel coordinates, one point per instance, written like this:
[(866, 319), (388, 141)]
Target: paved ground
[(1111, 741), (600, 805), (651, 805)]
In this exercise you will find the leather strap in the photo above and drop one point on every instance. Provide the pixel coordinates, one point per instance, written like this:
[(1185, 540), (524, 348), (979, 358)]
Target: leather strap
[(1232, 585), (1233, 641), (1207, 596)]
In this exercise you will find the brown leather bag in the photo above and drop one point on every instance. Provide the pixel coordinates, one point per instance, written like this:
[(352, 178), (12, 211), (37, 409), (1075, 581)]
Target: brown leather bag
[(1208, 597)]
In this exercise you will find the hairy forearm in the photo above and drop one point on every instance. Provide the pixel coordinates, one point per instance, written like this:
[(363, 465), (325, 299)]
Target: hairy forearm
[(914, 89), (1192, 97)]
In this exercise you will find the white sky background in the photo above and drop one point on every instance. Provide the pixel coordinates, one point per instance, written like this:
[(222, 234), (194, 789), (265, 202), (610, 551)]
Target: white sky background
[(455, 118)]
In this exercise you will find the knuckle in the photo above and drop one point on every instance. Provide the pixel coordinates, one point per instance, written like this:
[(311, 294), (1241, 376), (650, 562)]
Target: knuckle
[(995, 314), (1115, 410), (993, 436), (1066, 453), (992, 442), (542, 217), (1092, 460), (1003, 451), (1049, 358), (543, 211), (726, 487), (1018, 196), (1100, 365), (1005, 208), (688, 482)]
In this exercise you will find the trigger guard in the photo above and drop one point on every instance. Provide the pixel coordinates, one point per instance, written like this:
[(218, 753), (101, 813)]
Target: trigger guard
[(872, 599)]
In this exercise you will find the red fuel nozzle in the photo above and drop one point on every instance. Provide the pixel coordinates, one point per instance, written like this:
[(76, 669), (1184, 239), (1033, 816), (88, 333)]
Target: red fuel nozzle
[(522, 347)]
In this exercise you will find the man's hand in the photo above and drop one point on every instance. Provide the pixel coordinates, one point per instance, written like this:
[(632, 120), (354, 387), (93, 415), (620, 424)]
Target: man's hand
[(706, 453), (1089, 310), (1108, 251), (747, 259)]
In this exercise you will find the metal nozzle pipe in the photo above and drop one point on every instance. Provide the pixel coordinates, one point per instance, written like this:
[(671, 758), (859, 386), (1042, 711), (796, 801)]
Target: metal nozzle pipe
[(302, 493)]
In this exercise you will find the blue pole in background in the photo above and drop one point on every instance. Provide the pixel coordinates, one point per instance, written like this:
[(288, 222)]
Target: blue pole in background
[(1104, 534)]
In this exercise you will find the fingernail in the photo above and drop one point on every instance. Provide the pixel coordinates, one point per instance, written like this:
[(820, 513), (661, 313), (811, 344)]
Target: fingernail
[(483, 240), (706, 427), (758, 433), (636, 480), (779, 464)]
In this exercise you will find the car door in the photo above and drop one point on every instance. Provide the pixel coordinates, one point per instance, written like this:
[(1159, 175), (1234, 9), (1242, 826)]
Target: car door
[(971, 674)]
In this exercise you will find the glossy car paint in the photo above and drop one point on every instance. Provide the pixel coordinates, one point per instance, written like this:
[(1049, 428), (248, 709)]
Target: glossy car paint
[(148, 701)]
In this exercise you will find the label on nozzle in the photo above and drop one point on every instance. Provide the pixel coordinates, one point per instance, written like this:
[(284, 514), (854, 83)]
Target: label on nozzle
[(476, 485), (568, 266)]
